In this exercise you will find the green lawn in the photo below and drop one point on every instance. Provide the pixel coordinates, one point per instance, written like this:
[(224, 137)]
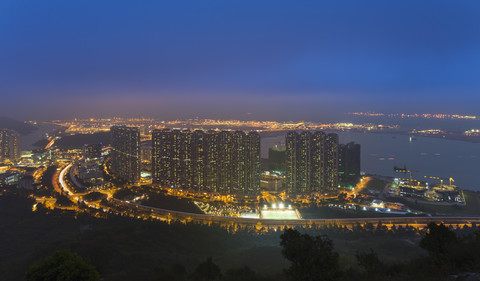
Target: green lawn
[(376, 184)]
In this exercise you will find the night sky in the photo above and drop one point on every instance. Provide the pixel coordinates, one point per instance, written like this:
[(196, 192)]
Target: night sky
[(283, 60)]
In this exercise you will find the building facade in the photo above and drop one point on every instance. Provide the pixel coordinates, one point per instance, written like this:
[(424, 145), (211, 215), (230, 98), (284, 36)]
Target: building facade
[(125, 153), (9, 179), (349, 162), (10, 148), (89, 172), (331, 160), (225, 162), (276, 159), (311, 161), (146, 151)]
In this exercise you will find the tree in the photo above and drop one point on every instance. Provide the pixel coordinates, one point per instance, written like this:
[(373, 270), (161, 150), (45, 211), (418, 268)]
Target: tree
[(240, 274), (63, 200), (206, 271), (370, 262), (342, 197), (381, 229), (437, 239), (177, 272), (312, 258), (62, 266)]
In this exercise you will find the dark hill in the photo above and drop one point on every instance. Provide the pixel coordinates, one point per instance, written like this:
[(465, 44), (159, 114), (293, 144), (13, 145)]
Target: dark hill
[(19, 126), (78, 141)]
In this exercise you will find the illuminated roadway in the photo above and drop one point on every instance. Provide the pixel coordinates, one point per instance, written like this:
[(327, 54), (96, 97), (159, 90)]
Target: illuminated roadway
[(169, 215), (62, 181), (75, 197), (52, 141)]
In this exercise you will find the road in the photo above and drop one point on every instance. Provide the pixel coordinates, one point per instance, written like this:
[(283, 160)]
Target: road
[(75, 197), (141, 211), (169, 215), (55, 178), (61, 180)]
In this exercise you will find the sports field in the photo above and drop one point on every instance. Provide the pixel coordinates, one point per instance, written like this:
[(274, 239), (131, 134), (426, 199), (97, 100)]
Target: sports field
[(280, 214)]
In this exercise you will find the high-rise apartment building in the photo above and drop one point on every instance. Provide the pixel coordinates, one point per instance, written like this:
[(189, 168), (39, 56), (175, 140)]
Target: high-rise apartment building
[(319, 159), (211, 148), (331, 160), (9, 145), (349, 162), (125, 153), (225, 162), (146, 152), (253, 163), (311, 161), (276, 159)]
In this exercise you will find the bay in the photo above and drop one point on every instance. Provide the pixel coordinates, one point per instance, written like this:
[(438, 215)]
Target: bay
[(431, 157)]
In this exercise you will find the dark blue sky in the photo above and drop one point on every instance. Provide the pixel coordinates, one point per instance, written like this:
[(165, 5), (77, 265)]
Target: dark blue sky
[(286, 60)]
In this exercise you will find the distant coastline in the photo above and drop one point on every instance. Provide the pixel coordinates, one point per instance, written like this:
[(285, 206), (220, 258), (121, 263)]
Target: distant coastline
[(449, 135), (23, 128)]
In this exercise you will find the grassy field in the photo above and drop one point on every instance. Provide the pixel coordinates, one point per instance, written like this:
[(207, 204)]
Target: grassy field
[(376, 184)]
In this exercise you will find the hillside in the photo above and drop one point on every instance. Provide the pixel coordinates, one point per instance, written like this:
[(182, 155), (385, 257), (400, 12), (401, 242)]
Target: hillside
[(78, 141), (19, 126)]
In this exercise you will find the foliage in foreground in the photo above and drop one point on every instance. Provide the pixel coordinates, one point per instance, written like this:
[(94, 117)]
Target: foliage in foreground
[(314, 258), (124, 248), (62, 266)]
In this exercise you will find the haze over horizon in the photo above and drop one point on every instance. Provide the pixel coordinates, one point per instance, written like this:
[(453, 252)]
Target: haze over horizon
[(272, 60)]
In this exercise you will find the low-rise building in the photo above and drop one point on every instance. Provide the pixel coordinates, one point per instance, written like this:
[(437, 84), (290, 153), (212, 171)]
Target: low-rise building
[(9, 179)]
